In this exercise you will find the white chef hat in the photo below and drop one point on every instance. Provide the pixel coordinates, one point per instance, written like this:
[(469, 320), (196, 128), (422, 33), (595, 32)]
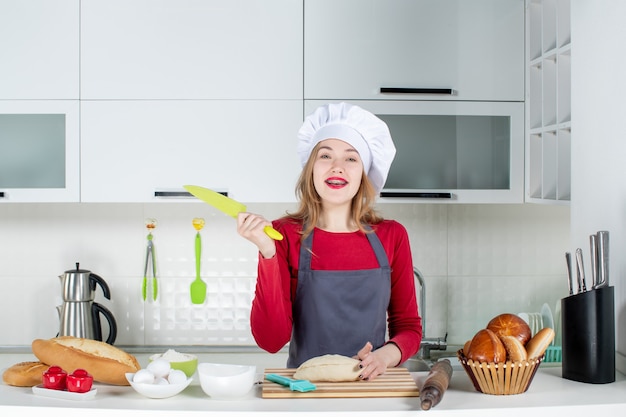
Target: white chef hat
[(363, 130)]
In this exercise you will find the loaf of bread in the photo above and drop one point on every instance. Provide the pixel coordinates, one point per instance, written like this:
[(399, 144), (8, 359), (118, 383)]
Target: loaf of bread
[(539, 342), (106, 363), (24, 374), (486, 346), (508, 324), (330, 368)]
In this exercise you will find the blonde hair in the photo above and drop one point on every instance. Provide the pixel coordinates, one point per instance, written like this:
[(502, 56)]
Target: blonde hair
[(308, 212)]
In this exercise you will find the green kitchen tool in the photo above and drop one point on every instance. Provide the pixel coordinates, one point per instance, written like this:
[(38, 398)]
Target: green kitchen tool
[(300, 385), (150, 259), (198, 287)]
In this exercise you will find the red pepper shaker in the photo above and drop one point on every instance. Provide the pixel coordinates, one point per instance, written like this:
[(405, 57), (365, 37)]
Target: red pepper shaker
[(79, 381), (54, 378)]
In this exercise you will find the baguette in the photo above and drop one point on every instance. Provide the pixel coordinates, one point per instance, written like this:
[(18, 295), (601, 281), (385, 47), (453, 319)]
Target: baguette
[(24, 374), (106, 363)]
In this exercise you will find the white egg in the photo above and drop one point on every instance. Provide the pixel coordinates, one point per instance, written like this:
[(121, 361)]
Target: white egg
[(143, 376), (177, 376), (159, 367), (161, 381)]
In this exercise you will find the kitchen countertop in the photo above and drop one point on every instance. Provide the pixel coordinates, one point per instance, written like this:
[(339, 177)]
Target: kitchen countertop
[(548, 393)]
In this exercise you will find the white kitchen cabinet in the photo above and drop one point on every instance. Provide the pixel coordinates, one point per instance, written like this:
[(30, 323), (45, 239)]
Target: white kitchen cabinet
[(353, 48), (131, 150), (39, 45), (39, 151), (548, 102), (191, 49), (452, 152)]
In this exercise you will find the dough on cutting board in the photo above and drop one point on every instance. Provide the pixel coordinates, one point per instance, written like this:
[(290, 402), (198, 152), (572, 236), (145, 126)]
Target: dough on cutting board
[(329, 368)]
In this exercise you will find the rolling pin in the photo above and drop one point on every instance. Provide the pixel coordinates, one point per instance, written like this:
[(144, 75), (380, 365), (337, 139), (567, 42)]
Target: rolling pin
[(436, 384)]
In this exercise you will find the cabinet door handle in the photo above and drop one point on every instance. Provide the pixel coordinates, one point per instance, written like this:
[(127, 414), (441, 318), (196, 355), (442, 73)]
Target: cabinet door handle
[(401, 90), (1, 194), (413, 194), (179, 194), (174, 194)]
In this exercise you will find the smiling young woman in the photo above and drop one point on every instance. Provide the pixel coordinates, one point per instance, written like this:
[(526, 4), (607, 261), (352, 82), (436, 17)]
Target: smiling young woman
[(341, 281)]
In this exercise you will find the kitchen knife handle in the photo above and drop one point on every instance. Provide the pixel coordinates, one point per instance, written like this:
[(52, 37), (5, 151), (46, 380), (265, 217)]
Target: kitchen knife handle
[(580, 271), (570, 283), (273, 233), (593, 248), (603, 259)]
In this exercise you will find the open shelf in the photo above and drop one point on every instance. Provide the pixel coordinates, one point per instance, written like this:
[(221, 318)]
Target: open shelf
[(548, 101)]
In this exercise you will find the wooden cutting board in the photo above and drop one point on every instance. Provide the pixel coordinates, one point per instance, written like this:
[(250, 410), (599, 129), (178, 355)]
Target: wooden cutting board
[(396, 382)]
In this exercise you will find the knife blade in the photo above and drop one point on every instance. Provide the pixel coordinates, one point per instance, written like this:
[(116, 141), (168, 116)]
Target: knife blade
[(570, 283), (603, 259), (226, 205), (580, 271)]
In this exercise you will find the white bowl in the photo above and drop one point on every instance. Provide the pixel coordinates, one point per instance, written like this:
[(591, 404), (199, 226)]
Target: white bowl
[(223, 381), (157, 391)]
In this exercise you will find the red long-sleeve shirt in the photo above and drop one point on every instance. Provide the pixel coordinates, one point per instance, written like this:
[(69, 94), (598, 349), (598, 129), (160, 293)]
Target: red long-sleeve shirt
[(271, 317)]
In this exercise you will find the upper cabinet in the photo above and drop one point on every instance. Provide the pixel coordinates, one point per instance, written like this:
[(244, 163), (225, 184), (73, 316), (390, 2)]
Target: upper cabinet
[(191, 49), (39, 151), (146, 150), (39, 49), (548, 102), (415, 49)]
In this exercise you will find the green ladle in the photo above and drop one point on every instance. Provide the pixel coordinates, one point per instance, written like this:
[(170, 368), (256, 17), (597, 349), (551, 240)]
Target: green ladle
[(198, 287)]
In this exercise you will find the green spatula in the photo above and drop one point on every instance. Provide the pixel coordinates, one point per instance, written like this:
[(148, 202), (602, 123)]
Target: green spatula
[(198, 287)]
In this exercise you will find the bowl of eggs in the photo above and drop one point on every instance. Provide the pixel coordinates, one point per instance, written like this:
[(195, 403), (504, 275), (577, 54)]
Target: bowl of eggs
[(158, 380), (186, 362)]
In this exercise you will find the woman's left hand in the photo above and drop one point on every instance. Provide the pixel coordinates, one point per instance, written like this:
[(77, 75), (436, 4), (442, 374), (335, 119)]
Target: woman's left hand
[(376, 362)]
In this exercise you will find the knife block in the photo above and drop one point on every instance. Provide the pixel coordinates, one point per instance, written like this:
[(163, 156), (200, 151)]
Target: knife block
[(588, 336)]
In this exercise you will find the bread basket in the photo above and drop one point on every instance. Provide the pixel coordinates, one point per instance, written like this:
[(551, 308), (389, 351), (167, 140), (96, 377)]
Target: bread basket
[(500, 378)]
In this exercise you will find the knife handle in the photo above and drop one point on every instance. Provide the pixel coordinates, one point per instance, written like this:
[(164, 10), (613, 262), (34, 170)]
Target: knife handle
[(603, 259), (593, 247), (570, 283), (580, 271), (273, 233)]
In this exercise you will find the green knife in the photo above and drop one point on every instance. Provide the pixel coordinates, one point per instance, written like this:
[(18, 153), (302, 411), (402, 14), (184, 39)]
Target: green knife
[(226, 205)]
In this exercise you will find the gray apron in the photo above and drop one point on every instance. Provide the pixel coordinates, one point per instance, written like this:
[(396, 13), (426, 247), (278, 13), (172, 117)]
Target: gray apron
[(337, 312)]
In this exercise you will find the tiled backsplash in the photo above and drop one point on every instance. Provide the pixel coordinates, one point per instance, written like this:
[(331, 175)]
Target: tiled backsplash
[(477, 260)]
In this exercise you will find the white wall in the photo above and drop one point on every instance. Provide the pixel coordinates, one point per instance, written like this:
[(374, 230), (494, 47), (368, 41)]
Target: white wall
[(478, 261), (599, 139)]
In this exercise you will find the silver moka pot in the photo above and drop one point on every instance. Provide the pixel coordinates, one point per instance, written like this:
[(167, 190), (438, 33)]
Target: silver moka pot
[(79, 315)]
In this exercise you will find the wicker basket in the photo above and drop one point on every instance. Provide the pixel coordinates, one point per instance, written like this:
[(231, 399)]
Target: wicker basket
[(500, 378)]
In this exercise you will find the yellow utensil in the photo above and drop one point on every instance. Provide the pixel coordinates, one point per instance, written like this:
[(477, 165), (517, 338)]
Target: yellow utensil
[(226, 205)]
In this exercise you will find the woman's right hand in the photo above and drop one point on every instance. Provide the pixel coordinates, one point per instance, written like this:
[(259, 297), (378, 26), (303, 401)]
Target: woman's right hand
[(251, 226)]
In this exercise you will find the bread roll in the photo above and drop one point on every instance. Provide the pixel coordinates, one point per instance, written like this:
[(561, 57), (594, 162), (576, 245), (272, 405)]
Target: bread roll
[(106, 363), (508, 324), (330, 368), (466, 347), (25, 374), (486, 347), (539, 343), (515, 351)]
